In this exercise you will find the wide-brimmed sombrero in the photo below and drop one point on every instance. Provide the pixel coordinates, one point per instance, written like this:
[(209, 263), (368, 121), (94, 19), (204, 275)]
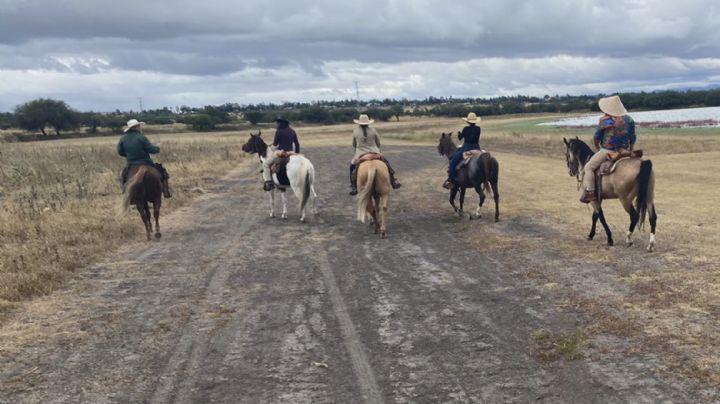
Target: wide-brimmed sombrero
[(363, 120), (472, 118), (612, 106), (131, 124)]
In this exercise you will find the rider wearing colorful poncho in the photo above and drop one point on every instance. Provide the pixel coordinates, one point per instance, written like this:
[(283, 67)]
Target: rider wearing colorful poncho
[(471, 136), (615, 132)]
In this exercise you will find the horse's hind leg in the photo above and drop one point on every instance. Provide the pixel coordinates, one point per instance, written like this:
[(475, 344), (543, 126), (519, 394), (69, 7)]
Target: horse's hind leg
[(634, 216), (496, 197), (315, 200), (372, 210), (653, 225), (382, 209), (283, 216), (462, 200), (453, 195), (272, 203), (156, 214), (144, 210)]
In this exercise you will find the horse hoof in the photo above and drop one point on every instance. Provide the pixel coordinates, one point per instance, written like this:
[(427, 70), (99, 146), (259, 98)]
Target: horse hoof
[(629, 244), (589, 238), (611, 243), (497, 219), (272, 215), (157, 236), (302, 219), (383, 235), (650, 248)]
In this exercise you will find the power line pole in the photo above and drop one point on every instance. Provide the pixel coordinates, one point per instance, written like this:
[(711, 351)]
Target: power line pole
[(357, 91), (140, 103)]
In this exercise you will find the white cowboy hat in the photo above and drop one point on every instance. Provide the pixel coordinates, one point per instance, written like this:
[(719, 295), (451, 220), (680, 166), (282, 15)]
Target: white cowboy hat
[(612, 106), (363, 120), (131, 124), (472, 118)]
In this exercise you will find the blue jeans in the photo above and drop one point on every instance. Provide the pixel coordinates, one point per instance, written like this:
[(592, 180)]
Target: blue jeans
[(457, 158)]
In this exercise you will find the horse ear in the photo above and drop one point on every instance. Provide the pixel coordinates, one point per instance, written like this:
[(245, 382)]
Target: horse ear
[(577, 138), (443, 135), (566, 142), (259, 133)]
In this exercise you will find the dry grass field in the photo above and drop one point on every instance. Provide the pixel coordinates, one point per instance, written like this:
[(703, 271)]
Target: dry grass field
[(58, 214)]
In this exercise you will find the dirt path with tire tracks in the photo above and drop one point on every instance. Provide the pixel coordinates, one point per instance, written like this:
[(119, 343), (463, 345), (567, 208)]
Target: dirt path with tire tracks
[(232, 306)]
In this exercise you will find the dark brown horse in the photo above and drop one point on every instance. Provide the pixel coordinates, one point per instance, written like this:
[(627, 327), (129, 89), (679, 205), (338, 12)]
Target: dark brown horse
[(144, 186), (481, 173)]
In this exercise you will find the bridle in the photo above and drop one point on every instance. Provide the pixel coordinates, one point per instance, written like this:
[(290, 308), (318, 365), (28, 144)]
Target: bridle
[(573, 166)]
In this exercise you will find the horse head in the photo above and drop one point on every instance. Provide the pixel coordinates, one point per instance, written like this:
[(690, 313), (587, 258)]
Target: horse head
[(446, 146), (255, 144), (577, 153)]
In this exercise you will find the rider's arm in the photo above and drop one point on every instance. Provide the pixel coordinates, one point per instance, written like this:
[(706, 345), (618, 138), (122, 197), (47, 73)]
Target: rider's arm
[(121, 149), (461, 135), (377, 140), (597, 138), (296, 141), (149, 147), (631, 134)]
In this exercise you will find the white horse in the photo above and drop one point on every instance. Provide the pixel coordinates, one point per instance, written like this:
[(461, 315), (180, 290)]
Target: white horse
[(300, 173)]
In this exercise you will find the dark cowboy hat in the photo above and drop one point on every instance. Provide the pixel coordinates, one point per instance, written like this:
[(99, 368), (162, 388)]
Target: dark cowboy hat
[(281, 119)]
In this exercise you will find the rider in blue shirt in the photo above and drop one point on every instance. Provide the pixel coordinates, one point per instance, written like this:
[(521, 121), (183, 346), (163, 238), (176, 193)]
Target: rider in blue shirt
[(471, 136)]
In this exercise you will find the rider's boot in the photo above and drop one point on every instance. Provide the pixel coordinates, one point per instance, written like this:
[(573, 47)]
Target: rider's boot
[(393, 181), (353, 180)]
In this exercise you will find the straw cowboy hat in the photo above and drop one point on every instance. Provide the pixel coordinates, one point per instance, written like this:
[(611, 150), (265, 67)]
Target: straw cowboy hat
[(612, 106), (472, 118), (363, 120), (131, 124)]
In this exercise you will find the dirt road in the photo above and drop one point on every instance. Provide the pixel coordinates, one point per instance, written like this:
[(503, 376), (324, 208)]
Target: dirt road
[(232, 306)]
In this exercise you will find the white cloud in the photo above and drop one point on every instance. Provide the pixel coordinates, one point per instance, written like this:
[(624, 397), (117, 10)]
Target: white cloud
[(110, 89)]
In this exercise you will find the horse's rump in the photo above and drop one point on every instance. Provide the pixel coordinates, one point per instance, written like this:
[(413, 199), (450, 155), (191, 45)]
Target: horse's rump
[(144, 185), (373, 181)]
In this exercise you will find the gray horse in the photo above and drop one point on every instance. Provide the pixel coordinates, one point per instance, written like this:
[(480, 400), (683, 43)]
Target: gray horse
[(479, 172)]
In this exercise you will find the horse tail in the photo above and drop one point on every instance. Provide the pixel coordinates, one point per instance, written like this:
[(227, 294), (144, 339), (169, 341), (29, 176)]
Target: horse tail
[(306, 188), (130, 186), (365, 194), (493, 174), (643, 181)]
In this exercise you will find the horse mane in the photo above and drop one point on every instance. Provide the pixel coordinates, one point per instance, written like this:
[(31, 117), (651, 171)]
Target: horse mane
[(581, 150)]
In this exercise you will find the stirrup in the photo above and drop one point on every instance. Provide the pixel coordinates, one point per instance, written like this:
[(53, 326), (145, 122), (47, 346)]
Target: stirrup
[(396, 185), (588, 196), (353, 191)]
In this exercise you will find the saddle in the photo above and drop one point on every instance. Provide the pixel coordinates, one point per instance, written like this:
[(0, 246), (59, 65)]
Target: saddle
[(608, 166), (467, 156), (279, 166), (369, 157)]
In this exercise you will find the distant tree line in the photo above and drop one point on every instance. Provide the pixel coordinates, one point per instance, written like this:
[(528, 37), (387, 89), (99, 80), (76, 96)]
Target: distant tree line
[(40, 114)]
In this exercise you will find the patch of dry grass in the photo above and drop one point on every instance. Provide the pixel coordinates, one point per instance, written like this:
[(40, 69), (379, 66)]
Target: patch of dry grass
[(58, 202), (550, 347)]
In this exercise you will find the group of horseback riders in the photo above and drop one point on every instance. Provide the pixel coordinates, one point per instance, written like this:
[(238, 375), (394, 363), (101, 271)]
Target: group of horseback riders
[(615, 133)]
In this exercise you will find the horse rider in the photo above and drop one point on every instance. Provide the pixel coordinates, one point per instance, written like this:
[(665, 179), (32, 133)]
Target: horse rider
[(136, 148), (615, 132), (471, 136), (367, 140), (286, 140)]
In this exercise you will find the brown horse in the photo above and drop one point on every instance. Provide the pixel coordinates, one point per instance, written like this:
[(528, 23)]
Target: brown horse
[(374, 186), (144, 185), (632, 179), (481, 173)]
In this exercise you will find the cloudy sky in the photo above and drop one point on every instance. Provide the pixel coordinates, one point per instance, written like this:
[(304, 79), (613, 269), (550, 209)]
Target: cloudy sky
[(101, 55)]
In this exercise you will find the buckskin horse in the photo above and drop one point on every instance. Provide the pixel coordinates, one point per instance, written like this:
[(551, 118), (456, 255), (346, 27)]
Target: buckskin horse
[(374, 187), (630, 179), (144, 185), (300, 175), (480, 172)]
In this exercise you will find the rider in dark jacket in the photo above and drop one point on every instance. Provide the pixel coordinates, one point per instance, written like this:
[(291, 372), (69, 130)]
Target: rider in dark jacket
[(471, 136), (136, 148)]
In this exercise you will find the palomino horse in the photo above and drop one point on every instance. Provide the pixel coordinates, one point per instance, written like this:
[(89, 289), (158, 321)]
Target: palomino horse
[(480, 172), (144, 185), (374, 193), (632, 179), (300, 173)]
